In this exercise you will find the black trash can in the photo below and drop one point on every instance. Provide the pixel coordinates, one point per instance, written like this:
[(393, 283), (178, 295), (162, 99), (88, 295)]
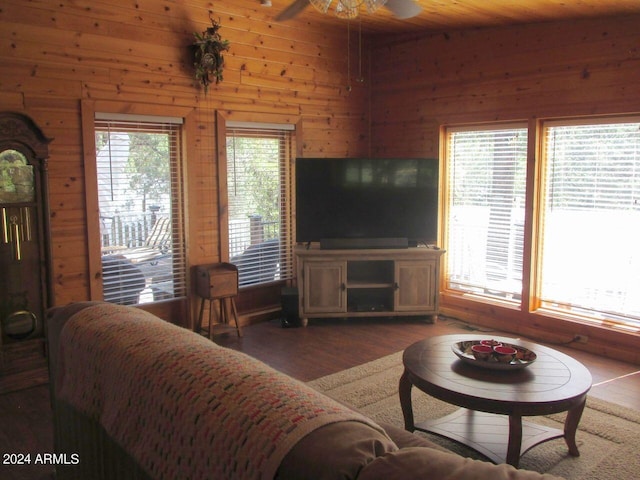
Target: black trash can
[(289, 299)]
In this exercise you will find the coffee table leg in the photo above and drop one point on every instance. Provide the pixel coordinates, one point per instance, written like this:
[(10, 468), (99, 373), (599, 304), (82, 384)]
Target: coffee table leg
[(571, 425), (404, 390), (515, 440)]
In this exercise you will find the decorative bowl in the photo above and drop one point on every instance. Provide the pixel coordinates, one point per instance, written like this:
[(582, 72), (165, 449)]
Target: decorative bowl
[(508, 357)]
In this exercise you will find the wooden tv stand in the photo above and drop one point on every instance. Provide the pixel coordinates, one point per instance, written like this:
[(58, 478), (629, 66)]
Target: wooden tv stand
[(368, 283)]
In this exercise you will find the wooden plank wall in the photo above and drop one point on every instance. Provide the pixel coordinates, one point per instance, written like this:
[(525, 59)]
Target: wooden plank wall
[(132, 56), (501, 74)]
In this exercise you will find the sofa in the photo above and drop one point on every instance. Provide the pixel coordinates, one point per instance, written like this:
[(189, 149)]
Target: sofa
[(136, 398)]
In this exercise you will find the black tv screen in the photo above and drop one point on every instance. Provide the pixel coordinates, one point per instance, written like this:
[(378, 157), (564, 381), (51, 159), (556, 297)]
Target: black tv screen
[(364, 198)]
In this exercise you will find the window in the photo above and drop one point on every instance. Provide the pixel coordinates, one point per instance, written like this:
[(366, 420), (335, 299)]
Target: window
[(584, 257), (259, 199), (591, 220), (140, 202), (486, 173)]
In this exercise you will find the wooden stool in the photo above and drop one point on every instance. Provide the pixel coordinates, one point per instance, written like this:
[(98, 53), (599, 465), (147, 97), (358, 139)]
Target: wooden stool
[(218, 282)]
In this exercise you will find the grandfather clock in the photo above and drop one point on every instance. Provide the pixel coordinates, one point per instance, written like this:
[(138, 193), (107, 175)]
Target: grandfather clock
[(25, 285)]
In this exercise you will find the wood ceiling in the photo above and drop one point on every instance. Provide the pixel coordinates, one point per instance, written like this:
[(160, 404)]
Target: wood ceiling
[(443, 15)]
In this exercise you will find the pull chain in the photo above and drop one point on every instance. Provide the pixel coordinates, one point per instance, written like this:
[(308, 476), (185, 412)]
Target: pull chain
[(360, 77), (348, 55)]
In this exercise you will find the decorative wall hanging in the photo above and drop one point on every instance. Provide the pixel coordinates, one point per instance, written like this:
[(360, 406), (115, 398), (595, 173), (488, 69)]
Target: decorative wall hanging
[(349, 9), (207, 55)]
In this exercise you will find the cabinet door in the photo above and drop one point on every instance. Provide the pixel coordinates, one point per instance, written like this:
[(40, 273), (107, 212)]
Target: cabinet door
[(325, 287), (415, 286)]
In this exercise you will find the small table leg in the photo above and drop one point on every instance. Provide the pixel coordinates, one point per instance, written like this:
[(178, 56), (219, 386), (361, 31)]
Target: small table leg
[(404, 390), (198, 326), (515, 440), (234, 310), (571, 425), (217, 311)]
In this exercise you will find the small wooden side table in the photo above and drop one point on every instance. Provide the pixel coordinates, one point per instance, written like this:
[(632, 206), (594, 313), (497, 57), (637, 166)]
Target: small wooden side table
[(218, 282)]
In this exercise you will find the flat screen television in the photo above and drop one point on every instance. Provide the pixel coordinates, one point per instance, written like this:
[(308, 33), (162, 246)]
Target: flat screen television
[(367, 199)]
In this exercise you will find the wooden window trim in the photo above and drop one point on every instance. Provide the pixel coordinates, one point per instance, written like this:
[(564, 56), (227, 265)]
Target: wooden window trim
[(178, 308)]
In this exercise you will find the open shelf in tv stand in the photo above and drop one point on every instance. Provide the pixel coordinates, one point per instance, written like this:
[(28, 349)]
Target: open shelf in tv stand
[(368, 283)]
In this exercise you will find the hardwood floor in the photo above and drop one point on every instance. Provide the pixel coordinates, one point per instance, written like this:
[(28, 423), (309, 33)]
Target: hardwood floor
[(327, 346), (324, 347)]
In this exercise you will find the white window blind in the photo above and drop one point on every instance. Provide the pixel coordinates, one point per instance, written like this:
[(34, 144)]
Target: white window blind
[(591, 220), (140, 200), (486, 171), (259, 191)]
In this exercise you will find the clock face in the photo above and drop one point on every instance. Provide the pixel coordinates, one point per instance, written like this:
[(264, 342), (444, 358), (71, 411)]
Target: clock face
[(16, 178)]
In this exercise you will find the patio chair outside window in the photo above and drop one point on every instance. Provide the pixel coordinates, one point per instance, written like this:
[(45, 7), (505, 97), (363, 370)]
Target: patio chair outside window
[(156, 245)]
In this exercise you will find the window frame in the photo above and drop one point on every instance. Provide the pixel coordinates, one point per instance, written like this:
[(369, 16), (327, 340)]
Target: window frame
[(286, 180), (170, 308), (446, 189), (257, 299), (531, 315), (598, 317)]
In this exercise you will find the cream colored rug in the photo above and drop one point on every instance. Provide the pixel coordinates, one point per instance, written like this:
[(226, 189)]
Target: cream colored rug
[(608, 436)]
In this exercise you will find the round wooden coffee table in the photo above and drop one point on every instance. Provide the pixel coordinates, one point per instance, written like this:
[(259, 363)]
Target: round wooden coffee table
[(494, 401)]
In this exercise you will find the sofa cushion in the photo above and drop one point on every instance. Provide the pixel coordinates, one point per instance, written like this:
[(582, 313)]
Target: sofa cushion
[(338, 450), (402, 438), (420, 462)]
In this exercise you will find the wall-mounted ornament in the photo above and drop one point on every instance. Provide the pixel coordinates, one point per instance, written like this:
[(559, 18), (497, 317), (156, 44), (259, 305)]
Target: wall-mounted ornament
[(207, 55)]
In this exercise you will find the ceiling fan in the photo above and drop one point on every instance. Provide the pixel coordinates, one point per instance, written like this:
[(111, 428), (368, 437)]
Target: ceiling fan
[(349, 8)]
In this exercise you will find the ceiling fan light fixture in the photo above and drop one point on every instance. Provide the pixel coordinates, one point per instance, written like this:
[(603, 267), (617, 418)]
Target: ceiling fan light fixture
[(373, 5), (349, 9), (346, 9), (350, 4), (321, 5)]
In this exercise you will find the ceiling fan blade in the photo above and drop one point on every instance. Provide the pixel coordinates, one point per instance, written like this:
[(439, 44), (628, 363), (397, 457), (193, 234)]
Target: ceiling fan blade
[(292, 10), (403, 8)]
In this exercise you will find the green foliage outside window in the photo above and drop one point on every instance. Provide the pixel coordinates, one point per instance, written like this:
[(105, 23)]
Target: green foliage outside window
[(147, 167), (254, 177)]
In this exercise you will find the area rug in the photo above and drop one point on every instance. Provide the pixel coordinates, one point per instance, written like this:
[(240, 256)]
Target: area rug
[(608, 436)]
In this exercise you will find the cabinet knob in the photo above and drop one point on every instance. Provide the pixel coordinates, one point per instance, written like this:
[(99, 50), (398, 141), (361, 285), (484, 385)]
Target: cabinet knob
[(396, 286), (343, 287)]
